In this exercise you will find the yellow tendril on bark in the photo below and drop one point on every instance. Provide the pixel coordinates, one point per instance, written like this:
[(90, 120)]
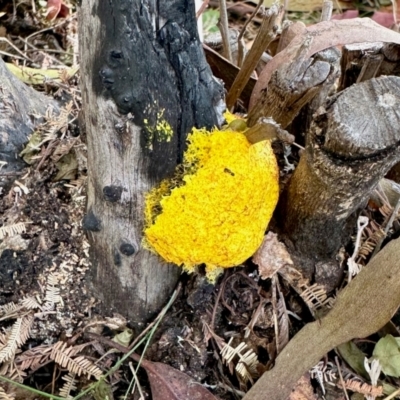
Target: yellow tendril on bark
[(217, 208)]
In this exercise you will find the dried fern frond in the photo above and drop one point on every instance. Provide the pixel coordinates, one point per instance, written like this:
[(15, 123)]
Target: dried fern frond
[(55, 124), (363, 388), (30, 303), (324, 372), (10, 310), (34, 358), (17, 336), (69, 386), (4, 395), (11, 371), (12, 230), (52, 296), (80, 365), (63, 148), (315, 297), (246, 366), (374, 235)]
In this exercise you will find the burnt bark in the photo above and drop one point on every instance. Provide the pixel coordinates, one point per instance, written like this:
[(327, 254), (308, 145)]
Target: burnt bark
[(145, 84), (350, 147), (21, 108)]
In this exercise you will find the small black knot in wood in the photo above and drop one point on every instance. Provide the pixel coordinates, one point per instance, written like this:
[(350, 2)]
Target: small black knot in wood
[(91, 223), (107, 77), (127, 249), (112, 193), (117, 257)]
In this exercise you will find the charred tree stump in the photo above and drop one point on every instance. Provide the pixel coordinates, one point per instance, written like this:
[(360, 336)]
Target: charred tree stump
[(350, 147), (21, 108), (145, 84)]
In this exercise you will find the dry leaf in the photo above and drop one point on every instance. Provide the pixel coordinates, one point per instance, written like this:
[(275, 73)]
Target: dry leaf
[(56, 9), (361, 308), (168, 383), (303, 390), (324, 35), (271, 256), (382, 18)]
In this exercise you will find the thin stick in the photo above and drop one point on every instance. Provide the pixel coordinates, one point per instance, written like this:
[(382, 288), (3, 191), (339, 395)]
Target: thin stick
[(341, 378), (393, 395), (10, 173), (266, 34), (327, 8), (136, 380), (242, 32), (223, 27), (202, 8)]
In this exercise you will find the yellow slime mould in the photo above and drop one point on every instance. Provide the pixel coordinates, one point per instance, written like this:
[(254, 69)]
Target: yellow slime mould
[(217, 207)]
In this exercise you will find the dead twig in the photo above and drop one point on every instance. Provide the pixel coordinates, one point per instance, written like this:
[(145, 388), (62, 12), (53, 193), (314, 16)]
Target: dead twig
[(224, 28), (267, 33)]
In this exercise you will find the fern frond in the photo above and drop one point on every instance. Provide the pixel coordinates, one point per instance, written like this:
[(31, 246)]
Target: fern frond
[(34, 358), (17, 336), (9, 310), (4, 395), (80, 365), (246, 366), (52, 296), (10, 370), (315, 297), (364, 388), (370, 243), (69, 386), (30, 303), (12, 230)]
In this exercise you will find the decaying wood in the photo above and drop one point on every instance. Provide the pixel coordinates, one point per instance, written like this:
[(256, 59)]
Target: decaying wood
[(145, 84), (293, 86), (302, 122), (223, 69), (267, 129), (320, 36), (308, 5), (364, 61), (362, 308), (266, 34), (22, 108), (350, 147)]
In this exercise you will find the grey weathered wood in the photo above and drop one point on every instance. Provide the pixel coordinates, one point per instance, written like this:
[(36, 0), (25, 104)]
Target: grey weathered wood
[(141, 65), (292, 87), (21, 109), (350, 147), (363, 61)]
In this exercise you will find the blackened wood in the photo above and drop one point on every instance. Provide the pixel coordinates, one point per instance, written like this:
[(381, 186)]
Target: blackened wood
[(144, 76), (22, 109), (349, 149)]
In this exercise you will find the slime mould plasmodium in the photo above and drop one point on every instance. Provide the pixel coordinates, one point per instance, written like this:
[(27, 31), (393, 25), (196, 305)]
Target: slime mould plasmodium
[(218, 205)]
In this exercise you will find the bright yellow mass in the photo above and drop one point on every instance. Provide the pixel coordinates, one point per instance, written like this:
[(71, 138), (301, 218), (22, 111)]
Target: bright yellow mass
[(216, 209)]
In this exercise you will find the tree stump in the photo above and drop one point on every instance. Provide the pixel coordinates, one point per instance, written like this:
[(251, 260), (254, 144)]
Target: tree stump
[(350, 147), (145, 84), (22, 109)]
